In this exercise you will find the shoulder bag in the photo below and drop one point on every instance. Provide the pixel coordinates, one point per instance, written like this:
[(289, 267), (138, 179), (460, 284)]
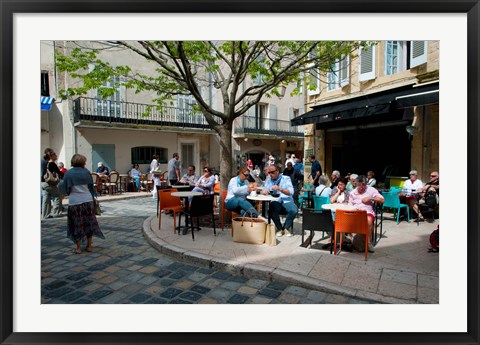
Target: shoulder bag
[(51, 178)]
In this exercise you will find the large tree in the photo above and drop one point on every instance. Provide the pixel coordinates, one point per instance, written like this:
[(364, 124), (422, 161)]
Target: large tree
[(242, 72)]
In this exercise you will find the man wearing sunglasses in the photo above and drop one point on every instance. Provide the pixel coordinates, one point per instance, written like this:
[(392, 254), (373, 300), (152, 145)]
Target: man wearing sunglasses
[(281, 186)]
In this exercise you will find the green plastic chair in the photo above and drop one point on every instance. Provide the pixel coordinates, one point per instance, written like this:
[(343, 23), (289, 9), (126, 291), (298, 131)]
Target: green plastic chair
[(393, 201), (318, 201)]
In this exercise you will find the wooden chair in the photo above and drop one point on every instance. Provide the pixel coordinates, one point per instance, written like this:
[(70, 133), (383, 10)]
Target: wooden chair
[(201, 205), (97, 183), (321, 220), (351, 222), (168, 202), (146, 182), (112, 184)]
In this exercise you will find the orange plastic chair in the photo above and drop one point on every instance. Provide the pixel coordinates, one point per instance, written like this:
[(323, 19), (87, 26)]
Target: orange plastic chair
[(168, 202), (351, 221)]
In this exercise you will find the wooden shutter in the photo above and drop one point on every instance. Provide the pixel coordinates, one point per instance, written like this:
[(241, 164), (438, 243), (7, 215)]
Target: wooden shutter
[(367, 63), (418, 53), (345, 71)]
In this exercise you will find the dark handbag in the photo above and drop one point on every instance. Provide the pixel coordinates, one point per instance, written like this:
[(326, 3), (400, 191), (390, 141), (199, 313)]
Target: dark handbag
[(96, 207), (431, 198), (51, 178)]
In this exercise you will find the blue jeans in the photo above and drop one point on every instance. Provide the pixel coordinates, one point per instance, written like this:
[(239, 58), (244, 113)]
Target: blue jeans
[(240, 205), (137, 181), (274, 213)]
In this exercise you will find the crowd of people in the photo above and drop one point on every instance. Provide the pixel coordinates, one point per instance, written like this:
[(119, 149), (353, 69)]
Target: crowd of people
[(284, 182)]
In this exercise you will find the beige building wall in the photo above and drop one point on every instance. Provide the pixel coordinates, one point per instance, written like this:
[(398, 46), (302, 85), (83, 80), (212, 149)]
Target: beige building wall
[(425, 143)]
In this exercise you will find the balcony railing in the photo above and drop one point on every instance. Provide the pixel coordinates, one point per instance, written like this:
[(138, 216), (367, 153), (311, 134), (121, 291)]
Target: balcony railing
[(92, 109), (255, 125)]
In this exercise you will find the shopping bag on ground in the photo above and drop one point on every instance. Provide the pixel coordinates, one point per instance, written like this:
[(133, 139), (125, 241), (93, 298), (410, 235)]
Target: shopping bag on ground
[(270, 238), (248, 230)]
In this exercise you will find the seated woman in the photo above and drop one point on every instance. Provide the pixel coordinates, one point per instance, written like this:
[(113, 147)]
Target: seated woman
[(371, 179), (322, 189), (411, 187), (135, 173), (352, 183), (206, 182), (238, 189), (340, 193)]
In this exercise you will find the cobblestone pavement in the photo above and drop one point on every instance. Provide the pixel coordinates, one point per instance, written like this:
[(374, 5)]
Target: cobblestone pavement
[(124, 268)]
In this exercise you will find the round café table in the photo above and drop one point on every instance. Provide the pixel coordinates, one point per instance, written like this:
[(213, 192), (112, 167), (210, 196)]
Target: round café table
[(309, 197), (264, 199), (185, 196)]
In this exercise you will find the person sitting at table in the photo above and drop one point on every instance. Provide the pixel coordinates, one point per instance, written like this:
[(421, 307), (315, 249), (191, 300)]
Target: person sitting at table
[(190, 178), (135, 174), (282, 186), (335, 177), (431, 185), (102, 170), (206, 182), (362, 198), (371, 181), (322, 189), (411, 187), (352, 183), (238, 189), (340, 193)]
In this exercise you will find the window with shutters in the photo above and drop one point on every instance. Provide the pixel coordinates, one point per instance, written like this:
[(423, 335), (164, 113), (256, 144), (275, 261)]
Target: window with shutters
[(333, 77), (260, 115), (314, 85), (45, 88), (418, 53), (144, 154), (338, 76), (395, 57), (367, 63), (111, 105)]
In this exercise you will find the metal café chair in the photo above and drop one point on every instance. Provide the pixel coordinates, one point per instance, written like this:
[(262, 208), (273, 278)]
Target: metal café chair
[(201, 205), (320, 220)]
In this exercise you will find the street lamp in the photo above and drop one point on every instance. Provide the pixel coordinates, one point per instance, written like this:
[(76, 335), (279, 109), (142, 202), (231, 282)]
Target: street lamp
[(281, 91)]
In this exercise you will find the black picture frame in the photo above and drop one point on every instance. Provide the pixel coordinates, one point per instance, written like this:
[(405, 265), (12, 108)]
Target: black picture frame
[(10, 7)]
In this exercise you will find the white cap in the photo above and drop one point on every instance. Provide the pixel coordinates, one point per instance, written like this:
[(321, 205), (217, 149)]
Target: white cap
[(100, 164)]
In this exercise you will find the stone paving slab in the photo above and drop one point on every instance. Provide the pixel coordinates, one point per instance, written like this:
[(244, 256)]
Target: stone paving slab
[(126, 269), (400, 271)]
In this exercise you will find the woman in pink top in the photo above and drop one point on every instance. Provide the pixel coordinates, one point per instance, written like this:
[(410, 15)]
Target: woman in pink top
[(362, 198)]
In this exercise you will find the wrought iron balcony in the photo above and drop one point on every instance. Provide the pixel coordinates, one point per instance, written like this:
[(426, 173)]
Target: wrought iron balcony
[(92, 109), (254, 125)]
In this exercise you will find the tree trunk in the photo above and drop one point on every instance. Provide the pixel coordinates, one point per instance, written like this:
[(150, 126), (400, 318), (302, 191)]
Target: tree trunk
[(225, 134)]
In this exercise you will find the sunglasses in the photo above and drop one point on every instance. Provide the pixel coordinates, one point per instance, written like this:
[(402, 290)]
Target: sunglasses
[(246, 175), (205, 170), (433, 176), (272, 172)]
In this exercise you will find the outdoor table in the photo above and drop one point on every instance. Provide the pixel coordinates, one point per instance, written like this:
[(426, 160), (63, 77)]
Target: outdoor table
[(263, 199), (182, 186), (124, 179), (309, 197), (185, 196)]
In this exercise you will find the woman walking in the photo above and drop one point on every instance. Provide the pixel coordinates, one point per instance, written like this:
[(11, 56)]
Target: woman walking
[(82, 222), (50, 191)]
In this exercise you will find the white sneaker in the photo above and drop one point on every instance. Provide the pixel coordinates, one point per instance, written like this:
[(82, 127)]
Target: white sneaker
[(279, 233), (287, 233)]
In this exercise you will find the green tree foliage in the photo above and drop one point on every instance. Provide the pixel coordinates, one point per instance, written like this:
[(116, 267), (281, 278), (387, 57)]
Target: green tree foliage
[(241, 72)]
